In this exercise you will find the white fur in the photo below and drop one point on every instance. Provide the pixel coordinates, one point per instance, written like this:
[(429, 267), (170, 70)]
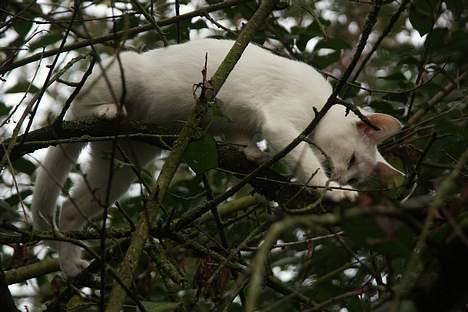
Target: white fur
[(264, 94)]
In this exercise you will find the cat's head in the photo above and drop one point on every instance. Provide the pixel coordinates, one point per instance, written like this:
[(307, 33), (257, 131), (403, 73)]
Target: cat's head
[(351, 146)]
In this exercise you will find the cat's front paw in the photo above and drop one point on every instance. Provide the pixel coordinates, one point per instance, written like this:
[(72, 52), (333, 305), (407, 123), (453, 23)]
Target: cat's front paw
[(338, 195), (70, 260), (110, 111)]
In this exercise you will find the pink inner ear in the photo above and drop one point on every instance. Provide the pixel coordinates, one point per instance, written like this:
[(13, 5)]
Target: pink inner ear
[(388, 125)]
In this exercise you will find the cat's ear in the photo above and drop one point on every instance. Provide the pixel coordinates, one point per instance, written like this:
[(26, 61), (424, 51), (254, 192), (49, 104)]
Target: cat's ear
[(388, 125), (385, 170)]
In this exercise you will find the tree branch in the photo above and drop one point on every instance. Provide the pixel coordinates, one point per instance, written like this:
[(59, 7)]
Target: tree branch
[(32, 270), (131, 31), (438, 97)]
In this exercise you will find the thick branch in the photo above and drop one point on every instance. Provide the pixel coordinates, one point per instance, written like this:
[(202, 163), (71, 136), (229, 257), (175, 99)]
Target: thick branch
[(36, 269), (84, 131)]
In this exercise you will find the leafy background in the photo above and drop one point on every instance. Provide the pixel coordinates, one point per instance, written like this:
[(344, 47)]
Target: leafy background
[(401, 247)]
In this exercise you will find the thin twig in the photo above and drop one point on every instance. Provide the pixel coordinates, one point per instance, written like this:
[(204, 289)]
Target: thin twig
[(382, 36), (131, 31), (438, 97), (151, 20)]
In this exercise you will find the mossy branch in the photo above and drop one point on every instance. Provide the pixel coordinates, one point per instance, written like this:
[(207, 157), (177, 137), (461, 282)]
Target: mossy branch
[(31, 270)]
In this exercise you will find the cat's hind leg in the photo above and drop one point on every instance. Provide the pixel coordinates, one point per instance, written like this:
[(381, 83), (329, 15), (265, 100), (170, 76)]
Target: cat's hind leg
[(99, 187)]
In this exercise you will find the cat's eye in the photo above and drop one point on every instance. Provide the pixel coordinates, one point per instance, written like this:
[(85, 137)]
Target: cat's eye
[(352, 160)]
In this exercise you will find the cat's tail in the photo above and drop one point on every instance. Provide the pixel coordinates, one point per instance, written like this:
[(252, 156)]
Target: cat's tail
[(50, 179)]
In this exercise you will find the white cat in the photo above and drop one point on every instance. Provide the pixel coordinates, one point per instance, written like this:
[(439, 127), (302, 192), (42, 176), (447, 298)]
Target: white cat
[(265, 93)]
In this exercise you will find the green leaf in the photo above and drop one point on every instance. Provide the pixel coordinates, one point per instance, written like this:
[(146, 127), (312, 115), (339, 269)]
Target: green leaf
[(420, 20), (7, 211), (363, 231), (4, 205), (428, 7), (22, 28), (24, 165), (198, 24), (4, 110), (458, 43), (46, 40), (201, 154), (437, 39), (322, 61), (303, 35), (354, 304), (23, 86), (333, 43), (15, 198)]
